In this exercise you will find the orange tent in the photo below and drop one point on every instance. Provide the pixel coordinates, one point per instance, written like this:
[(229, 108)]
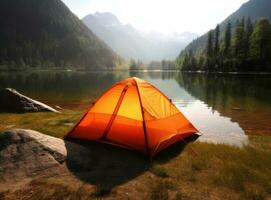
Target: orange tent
[(135, 115)]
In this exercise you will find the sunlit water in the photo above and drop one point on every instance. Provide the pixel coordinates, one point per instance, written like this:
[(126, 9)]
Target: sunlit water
[(213, 127), (225, 108)]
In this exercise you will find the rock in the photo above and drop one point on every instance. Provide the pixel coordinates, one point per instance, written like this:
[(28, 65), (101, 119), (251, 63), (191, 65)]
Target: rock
[(27, 153), (13, 101)]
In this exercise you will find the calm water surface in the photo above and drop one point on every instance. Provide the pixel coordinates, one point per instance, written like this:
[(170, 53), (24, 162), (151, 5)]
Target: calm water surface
[(226, 108)]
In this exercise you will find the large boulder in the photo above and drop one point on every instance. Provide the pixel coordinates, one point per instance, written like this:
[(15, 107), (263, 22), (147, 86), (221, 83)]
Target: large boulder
[(13, 101), (29, 158), (25, 154)]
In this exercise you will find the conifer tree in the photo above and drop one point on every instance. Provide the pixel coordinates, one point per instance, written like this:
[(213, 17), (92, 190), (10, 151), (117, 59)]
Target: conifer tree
[(249, 31), (239, 42), (227, 40), (260, 48), (210, 44), (216, 46)]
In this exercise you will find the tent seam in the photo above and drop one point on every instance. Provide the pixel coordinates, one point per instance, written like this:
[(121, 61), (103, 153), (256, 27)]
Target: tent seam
[(143, 121), (114, 114)]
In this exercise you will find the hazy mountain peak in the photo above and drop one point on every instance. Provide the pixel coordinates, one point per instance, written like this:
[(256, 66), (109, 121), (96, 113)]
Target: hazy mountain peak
[(103, 18), (132, 43)]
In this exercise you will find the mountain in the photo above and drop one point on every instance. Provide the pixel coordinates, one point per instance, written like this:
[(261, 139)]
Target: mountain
[(45, 33), (131, 43), (253, 9)]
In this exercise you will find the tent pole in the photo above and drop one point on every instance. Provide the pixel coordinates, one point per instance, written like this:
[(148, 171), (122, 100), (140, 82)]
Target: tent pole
[(144, 124), (114, 114)]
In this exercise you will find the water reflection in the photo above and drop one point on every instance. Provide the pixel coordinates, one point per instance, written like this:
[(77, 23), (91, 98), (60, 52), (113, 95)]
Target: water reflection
[(213, 126), (246, 99), (223, 107), (67, 89)]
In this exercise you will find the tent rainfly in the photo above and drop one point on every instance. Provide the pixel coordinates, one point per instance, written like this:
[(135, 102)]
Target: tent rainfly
[(135, 115)]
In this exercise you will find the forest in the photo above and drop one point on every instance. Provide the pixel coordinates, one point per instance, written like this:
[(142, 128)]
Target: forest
[(244, 48), (46, 34)]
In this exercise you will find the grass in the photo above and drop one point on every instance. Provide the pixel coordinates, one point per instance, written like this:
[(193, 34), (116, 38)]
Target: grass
[(55, 124), (244, 171), (159, 191), (221, 170), (55, 189), (215, 171), (159, 171)]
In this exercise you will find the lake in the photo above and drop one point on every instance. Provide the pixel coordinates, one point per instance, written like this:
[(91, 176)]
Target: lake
[(226, 108)]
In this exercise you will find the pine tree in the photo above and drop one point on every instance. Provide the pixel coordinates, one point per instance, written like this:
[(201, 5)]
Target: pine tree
[(185, 62), (227, 40), (239, 44), (217, 34), (249, 27), (210, 44), (192, 61), (242, 23), (260, 49), (249, 31), (210, 51)]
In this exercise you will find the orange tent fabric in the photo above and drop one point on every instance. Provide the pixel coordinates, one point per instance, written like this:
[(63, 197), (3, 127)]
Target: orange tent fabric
[(135, 115)]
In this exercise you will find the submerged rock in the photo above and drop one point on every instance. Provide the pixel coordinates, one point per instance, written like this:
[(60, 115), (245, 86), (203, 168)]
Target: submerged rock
[(13, 101)]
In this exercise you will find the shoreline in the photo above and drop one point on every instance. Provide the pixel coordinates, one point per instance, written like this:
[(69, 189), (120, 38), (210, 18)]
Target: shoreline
[(125, 70)]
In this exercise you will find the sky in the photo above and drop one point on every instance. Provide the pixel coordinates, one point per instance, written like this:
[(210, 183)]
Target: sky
[(164, 16)]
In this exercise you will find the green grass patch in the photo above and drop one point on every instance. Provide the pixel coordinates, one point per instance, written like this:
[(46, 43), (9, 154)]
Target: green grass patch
[(54, 124), (245, 170), (159, 171)]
